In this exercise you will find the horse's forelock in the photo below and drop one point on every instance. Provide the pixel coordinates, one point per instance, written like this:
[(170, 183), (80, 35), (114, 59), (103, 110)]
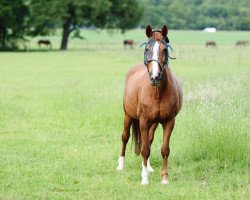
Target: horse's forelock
[(157, 36)]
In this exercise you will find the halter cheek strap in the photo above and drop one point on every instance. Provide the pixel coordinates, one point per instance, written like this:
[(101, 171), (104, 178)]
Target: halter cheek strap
[(145, 50)]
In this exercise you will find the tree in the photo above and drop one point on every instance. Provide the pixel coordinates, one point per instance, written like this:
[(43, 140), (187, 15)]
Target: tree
[(197, 14), (13, 22), (73, 14)]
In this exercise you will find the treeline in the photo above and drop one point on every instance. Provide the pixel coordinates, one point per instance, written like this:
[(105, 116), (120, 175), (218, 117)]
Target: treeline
[(197, 14), (20, 18)]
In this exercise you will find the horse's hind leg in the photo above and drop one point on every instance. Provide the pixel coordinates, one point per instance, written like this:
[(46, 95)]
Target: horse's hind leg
[(151, 139), (125, 137)]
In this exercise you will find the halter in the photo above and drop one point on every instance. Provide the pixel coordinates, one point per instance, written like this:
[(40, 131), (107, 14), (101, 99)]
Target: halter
[(150, 43)]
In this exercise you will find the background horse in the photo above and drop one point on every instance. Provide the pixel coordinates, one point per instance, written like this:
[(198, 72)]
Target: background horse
[(152, 96), (242, 43), (210, 44), (45, 42), (130, 43)]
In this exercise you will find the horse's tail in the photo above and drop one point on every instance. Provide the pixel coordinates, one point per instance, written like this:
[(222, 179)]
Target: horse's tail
[(137, 136)]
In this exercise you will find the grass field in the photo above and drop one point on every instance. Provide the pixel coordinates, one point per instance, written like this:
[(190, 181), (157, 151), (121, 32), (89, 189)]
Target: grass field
[(61, 121)]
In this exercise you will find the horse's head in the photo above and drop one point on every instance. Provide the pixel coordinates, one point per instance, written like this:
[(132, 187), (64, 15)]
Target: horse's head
[(156, 53)]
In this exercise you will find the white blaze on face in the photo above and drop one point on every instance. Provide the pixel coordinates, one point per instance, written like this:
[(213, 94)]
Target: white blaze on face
[(155, 67)]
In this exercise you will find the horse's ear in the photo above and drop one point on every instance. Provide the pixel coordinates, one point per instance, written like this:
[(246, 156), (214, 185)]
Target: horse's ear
[(167, 40), (164, 31), (149, 31)]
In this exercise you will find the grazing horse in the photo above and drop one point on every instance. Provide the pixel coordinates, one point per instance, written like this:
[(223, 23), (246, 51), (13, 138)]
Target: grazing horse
[(130, 43), (45, 42), (210, 44), (152, 95), (242, 43)]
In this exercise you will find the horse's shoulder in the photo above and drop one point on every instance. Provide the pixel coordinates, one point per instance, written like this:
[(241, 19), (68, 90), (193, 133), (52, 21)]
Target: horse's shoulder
[(136, 68)]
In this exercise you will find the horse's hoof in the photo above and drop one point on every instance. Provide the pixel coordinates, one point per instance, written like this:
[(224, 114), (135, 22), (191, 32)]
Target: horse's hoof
[(120, 168), (144, 181), (165, 182)]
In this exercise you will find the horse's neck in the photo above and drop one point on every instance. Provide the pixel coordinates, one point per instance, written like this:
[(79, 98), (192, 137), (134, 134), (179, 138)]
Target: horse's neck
[(165, 80)]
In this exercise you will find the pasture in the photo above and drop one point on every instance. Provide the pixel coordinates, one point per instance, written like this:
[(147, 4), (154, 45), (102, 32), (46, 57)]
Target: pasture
[(61, 120)]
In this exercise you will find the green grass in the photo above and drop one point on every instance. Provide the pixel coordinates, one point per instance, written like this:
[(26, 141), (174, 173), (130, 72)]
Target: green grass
[(61, 121), (102, 39)]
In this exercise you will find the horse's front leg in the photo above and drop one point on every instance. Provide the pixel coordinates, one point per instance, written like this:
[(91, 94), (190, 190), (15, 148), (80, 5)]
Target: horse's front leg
[(145, 152), (165, 150), (151, 139), (125, 137), (152, 133)]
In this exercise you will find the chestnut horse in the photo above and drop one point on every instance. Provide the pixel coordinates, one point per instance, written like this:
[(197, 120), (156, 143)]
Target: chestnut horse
[(152, 95), (210, 44), (242, 43), (130, 43)]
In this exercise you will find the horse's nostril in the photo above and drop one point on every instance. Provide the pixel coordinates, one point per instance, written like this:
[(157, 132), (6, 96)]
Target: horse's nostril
[(155, 77)]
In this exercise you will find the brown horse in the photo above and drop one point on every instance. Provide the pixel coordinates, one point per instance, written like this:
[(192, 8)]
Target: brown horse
[(210, 44), (45, 42), (242, 43), (130, 43), (152, 95)]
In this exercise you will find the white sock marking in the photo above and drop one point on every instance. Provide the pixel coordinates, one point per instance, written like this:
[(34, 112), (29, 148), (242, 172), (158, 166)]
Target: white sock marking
[(150, 168), (144, 175), (121, 163), (165, 182)]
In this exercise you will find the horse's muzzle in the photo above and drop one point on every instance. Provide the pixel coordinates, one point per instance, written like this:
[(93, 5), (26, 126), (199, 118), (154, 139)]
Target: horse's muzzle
[(155, 82)]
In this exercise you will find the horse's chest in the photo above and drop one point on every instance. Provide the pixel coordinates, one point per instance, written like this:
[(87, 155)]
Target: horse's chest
[(158, 110)]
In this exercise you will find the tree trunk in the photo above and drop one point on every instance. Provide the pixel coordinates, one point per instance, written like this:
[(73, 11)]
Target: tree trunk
[(3, 33), (4, 37), (65, 36), (1, 39)]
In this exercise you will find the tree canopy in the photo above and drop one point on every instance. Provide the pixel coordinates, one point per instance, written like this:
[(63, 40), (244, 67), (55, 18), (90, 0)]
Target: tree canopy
[(197, 14), (42, 17), (73, 14), (13, 22)]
